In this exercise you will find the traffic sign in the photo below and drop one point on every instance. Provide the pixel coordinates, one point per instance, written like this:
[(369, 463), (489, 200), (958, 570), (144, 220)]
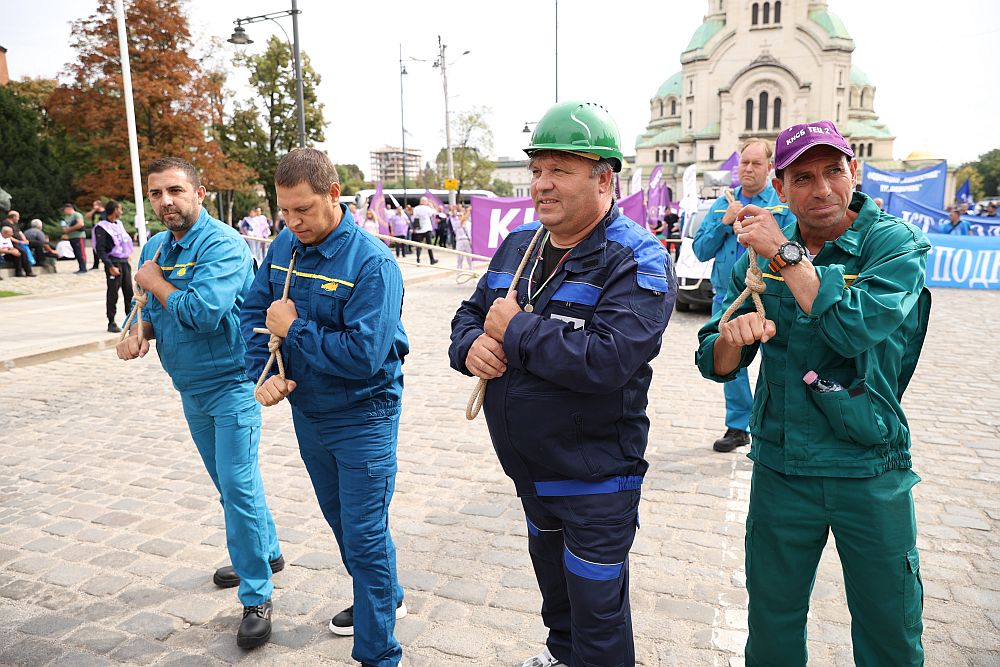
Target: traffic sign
[(451, 184)]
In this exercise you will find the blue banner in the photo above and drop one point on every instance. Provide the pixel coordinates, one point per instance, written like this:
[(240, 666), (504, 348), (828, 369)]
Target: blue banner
[(964, 194), (935, 221), (925, 185), (970, 262)]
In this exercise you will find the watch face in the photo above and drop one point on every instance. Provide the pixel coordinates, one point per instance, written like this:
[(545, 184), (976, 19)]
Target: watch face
[(791, 252)]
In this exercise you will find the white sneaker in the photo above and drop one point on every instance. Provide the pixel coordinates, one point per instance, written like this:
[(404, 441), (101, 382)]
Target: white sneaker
[(543, 659)]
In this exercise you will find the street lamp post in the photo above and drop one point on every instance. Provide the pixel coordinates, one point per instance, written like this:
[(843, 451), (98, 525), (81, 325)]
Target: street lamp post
[(240, 36), (402, 123), (443, 64)]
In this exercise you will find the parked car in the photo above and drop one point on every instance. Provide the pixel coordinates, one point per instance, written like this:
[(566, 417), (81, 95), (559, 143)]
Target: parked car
[(694, 284)]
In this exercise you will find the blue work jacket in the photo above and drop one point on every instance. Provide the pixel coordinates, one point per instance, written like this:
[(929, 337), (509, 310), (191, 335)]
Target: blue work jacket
[(345, 350), (198, 335), (717, 241), (572, 403)]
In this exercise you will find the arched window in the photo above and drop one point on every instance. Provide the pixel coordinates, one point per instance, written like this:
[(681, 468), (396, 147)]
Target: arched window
[(671, 155), (754, 11), (762, 112), (777, 11), (749, 114), (711, 153), (673, 107), (777, 113), (861, 150), (661, 108), (854, 149), (657, 154), (690, 119), (869, 150), (862, 104), (767, 13), (838, 112)]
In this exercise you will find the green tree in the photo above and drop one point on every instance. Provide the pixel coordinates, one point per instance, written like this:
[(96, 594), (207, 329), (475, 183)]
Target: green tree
[(502, 188), (352, 179), (983, 174), (265, 127), (30, 169), (473, 142)]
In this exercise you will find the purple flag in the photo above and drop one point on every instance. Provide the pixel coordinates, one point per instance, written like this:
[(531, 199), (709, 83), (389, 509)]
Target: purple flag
[(632, 207), (432, 198), (733, 166), (377, 206), (654, 194)]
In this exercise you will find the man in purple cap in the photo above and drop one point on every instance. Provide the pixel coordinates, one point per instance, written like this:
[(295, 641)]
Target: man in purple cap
[(846, 314)]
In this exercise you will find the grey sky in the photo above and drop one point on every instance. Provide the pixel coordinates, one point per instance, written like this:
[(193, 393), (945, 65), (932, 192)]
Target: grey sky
[(932, 63)]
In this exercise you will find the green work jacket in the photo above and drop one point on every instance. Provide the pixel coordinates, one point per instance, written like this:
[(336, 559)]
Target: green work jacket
[(865, 332)]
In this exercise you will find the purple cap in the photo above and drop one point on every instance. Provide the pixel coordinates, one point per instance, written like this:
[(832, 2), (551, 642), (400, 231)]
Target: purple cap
[(797, 139)]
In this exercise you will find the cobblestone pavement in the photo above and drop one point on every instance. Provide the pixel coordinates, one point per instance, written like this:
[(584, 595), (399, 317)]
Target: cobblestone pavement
[(110, 528)]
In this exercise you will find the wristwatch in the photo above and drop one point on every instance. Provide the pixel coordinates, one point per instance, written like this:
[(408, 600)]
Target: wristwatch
[(789, 253)]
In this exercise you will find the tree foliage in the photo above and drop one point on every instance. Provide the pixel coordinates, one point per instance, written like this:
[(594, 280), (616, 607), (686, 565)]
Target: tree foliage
[(172, 97), (38, 182), (266, 127), (473, 142), (983, 175), (352, 179)]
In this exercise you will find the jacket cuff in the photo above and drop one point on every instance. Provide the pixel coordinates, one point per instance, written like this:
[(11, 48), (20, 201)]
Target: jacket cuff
[(520, 326), (294, 329), (704, 358), (172, 300), (831, 291)]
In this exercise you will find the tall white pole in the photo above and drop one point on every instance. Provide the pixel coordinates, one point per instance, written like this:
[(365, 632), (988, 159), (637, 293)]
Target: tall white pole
[(447, 120), (133, 141)]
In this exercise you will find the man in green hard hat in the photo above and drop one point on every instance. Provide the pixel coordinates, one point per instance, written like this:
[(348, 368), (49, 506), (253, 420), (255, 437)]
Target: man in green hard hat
[(567, 354)]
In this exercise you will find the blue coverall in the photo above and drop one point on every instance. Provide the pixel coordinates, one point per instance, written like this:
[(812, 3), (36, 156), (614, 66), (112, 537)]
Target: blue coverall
[(715, 240), (568, 419), (345, 352), (199, 344)]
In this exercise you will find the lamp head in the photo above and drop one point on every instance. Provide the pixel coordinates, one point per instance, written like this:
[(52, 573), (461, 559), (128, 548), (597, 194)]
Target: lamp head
[(240, 36)]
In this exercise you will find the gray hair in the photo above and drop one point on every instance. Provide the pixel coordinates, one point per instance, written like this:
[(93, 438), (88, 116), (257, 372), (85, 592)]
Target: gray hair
[(36, 223), (602, 166)]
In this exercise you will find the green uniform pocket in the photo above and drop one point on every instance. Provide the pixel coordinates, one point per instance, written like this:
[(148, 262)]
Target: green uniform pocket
[(913, 589), (851, 414)]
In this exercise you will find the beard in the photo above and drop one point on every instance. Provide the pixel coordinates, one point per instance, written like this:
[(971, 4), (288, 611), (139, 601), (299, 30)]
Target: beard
[(178, 220)]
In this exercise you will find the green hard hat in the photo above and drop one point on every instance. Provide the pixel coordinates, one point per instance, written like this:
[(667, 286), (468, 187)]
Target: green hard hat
[(581, 127)]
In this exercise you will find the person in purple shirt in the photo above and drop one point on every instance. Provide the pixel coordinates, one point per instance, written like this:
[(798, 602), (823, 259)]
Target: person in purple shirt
[(399, 224)]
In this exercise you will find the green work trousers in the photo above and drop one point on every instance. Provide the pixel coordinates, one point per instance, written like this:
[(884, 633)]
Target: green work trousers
[(873, 523)]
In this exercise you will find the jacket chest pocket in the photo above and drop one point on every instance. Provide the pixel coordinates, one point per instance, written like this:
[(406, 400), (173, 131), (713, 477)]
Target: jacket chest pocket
[(327, 304), (574, 302)]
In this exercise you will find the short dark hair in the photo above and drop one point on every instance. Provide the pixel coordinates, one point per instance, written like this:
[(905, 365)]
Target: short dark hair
[(111, 207), (162, 164), (306, 165)]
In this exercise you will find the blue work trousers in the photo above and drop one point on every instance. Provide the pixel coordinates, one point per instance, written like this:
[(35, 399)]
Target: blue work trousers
[(579, 549), (739, 400), (225, 426), (352, 464)]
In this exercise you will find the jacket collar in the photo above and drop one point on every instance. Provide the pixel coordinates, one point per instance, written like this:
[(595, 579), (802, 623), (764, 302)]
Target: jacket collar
[(329, 246), (192, 234)]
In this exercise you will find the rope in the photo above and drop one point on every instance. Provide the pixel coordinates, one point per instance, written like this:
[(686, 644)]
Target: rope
[(475, 403), (435, 248), (754, 280), (141, 299), (274, 342)]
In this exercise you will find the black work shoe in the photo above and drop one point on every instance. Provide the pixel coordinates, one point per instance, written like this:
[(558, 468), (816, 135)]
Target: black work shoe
[(731, 440), (226, 577), (343, 623), (255, 628), (113, 328)]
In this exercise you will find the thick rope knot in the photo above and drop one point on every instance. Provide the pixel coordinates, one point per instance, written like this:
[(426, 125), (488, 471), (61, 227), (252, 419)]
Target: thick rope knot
[(475, 403), (754, 281), (140, 298), (274, 344)]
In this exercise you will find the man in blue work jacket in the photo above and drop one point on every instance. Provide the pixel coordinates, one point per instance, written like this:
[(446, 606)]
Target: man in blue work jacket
[(199, 281), (343, 355), (567, 358), (715, 240)]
